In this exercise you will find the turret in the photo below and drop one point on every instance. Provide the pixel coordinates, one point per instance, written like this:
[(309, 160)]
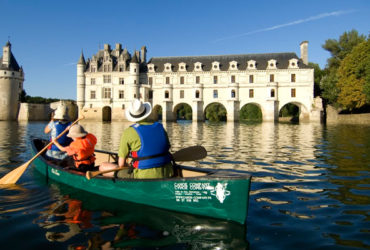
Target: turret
[(134, 76), (11, 84), (81, 65)]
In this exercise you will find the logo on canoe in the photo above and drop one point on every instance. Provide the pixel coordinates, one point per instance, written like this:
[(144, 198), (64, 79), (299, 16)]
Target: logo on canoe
[(54, 171), (220, 191)]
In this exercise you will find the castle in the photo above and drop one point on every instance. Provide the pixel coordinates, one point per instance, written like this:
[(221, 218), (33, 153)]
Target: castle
[(108, 81), (11, 84)]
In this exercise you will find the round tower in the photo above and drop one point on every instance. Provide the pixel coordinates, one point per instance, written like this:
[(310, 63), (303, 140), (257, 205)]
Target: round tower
[(134, 91), (11, 85), (81, 65)]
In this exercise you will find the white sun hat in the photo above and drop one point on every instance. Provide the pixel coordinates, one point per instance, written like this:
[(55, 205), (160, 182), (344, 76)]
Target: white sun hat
[(138, 110), (61, 113)]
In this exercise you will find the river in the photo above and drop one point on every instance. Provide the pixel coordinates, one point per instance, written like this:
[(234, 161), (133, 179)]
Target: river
[(310, 189)]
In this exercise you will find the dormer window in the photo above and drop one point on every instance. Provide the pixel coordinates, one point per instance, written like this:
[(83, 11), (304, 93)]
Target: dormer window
[(198, 66), (293, 63), (251, 64), (168, 67), (233, 65), (182, 66), (215, 66), (151, 68), (271, 64)]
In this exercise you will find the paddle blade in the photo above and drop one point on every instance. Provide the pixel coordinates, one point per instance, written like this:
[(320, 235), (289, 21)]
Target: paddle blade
[(190, 154), (13, 176)]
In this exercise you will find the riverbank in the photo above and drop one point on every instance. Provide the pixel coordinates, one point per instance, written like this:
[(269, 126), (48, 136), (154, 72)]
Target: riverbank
[(332, 117)]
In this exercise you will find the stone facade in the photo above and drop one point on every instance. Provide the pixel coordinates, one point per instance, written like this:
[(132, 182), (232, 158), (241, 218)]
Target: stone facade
[(42, 112), (108, 81), (11, 84)]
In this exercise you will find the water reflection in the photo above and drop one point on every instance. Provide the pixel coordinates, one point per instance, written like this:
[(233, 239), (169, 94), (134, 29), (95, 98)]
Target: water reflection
[(310, 184), (111, 223)]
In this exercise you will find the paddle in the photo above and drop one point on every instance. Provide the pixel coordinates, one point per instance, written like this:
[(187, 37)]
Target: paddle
[(13, 176), (192, 153)]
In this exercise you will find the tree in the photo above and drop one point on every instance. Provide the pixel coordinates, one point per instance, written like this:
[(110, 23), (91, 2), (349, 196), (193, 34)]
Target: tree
[(251, 112), (216, 112), (338, 50), (353, 77), (318, 75)]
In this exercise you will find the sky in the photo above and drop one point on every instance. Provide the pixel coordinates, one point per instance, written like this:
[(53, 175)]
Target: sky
[(48, 37)]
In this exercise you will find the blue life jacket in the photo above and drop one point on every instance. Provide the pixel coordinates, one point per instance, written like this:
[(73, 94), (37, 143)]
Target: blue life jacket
[(64, 140), (154, 150)]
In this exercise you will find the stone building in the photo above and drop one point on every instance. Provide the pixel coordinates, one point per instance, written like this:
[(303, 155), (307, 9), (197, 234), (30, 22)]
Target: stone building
[(109, 80), (11, 84)]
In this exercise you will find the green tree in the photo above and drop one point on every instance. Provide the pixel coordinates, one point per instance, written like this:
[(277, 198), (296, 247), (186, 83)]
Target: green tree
[(318, 75), (251, 112), (216, 112), (338, 50), (184, 112), (353, 77)]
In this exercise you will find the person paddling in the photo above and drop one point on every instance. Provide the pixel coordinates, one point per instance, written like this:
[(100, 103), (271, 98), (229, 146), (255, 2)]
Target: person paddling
[(145, 145), (59, 122), (81, 150)]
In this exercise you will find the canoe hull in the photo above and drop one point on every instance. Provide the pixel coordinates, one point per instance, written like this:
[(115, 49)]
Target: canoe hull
[(223, 194)]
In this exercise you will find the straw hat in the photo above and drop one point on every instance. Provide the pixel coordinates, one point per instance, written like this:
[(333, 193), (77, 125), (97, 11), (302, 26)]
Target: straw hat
[(77, 131), (61, 113), (138, 110)]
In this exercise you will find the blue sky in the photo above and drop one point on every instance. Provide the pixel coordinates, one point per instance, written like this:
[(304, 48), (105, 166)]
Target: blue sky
[(47, 37)]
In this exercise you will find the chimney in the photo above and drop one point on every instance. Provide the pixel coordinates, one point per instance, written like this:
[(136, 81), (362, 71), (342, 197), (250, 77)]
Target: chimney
[(143, 54), (138, 55), (304, 52), (107, 47)]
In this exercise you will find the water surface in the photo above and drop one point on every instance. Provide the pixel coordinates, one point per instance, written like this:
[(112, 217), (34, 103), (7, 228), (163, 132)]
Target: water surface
[(310, 189)]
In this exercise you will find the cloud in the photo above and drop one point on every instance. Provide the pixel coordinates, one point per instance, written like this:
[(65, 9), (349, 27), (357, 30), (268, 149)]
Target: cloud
[(309, 19)]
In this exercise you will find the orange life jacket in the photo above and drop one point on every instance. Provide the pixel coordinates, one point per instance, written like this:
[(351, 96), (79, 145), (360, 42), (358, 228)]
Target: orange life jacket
[(84, 150)]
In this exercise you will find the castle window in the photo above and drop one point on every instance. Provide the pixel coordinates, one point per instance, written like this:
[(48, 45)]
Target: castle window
[(150, 94), (292, 93), (293, 63), (92, 81), (107, 93), (166, 94), (251, 79), (90, 107), (182, 80), (233, 65), (272, 78), (92, 94), (215, 93), (182, 66), (272, 93), (251, 93), (121, 68), (150, 80), (168, 67), (271, 64), (292, 77), (233, 93), (215, 79), (123, 106), (107, 78), (121, 94), (232, 79), (251, 64), (216, 66), (181, 94), (167, 80), (197, 94), (197, 79), (121, 81), (198, 66)]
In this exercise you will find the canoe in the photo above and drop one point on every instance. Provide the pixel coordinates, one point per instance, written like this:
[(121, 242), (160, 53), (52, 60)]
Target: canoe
[(216, 193)]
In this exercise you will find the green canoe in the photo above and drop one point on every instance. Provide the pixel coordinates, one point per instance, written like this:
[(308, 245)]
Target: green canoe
[(216, 193)]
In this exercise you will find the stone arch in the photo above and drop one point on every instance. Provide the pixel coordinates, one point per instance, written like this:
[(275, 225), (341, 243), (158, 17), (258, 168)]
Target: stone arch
[(299, 112), (257, 114), (157, 112), (185, 116), (107, 114), (221, 105)]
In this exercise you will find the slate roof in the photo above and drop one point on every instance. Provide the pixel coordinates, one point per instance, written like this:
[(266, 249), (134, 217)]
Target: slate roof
[(12, 66), (282, 61)]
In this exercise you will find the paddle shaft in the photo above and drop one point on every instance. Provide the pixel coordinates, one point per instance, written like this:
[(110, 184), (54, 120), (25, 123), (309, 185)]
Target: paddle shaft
[(93, 174), (13, 176)]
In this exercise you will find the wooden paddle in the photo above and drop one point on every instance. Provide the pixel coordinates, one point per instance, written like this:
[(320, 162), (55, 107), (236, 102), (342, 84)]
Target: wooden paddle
[(192, 153), (13, 176)]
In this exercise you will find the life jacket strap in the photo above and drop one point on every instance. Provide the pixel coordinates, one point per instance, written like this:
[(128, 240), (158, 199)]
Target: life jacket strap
[(148, 157)]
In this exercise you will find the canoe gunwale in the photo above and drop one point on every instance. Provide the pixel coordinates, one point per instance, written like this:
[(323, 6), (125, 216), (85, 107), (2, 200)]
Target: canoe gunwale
[(214, 174)]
